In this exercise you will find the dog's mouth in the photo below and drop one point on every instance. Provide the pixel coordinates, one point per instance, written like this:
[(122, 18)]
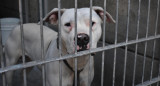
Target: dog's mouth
[(82, 42), (82, 47)]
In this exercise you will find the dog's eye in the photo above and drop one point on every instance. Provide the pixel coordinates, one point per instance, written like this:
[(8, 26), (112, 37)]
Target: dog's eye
[(93, 23), (68, 24)]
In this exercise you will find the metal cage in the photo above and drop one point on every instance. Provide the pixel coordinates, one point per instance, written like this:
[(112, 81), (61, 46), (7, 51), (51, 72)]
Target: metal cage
[(152, 81)]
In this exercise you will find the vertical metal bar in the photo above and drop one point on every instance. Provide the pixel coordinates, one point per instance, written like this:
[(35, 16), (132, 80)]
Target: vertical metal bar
[(153, 55), (75, 60), (136, 47), (22, 41), (90, 43), (60, 42), (126, 47), (145, 50), (26, 11), (2, 57), (115, 50), (156, 31), (42, 41), (103, 53), (154, 44), (75, 42)]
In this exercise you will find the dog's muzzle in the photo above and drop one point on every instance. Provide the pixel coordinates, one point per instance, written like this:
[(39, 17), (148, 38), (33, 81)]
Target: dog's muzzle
[(82, 42)]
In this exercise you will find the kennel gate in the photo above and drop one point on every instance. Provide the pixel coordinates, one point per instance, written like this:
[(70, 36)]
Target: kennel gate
[(114, 46)]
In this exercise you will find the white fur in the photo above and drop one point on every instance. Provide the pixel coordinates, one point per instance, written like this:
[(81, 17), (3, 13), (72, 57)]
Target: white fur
[(33, 44)]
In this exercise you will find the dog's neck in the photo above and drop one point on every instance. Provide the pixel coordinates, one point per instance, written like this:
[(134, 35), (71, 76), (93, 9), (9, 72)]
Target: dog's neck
[(63, 48), (82, 60)]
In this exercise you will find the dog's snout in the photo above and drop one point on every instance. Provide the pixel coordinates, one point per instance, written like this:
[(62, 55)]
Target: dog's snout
[(82, 39), (82, 42)]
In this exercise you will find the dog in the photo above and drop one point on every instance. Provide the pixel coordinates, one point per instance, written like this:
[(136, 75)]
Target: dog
[(51, 45)]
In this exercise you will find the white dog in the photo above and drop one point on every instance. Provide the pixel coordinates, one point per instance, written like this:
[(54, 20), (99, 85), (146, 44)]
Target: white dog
[(33, 44)]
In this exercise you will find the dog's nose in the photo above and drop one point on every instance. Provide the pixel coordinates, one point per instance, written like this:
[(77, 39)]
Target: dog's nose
[(82, 39), (82, 42)]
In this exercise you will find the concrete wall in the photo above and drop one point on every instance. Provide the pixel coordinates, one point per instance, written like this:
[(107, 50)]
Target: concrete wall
[(122, 25), (12, 11)]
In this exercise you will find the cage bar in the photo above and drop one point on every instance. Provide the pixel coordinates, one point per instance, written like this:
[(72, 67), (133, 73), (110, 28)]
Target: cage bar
[(103, 52), (149, 82), (75, 60), (102, 49), (146, 43), (22, 41), (115, 43), (99, 49), (136, 47), (42, 41), (60, 42), (90, 44), (157, 17), (126, 47)]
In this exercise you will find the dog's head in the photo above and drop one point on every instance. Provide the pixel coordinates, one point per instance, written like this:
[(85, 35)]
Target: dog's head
[(83, 26)]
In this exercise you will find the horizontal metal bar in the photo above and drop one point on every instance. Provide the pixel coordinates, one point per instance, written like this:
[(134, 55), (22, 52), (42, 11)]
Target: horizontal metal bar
[(39, 62), (150, 82)]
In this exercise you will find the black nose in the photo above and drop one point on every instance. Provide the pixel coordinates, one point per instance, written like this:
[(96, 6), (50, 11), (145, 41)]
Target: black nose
[(82, 39)]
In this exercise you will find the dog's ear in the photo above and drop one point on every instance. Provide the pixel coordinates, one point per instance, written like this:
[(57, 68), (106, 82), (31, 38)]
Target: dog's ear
[(52, 16), (100, 12)]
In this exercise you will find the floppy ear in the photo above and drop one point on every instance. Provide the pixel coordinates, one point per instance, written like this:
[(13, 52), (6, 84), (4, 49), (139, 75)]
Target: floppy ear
[(52, 16), (100, 12)]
